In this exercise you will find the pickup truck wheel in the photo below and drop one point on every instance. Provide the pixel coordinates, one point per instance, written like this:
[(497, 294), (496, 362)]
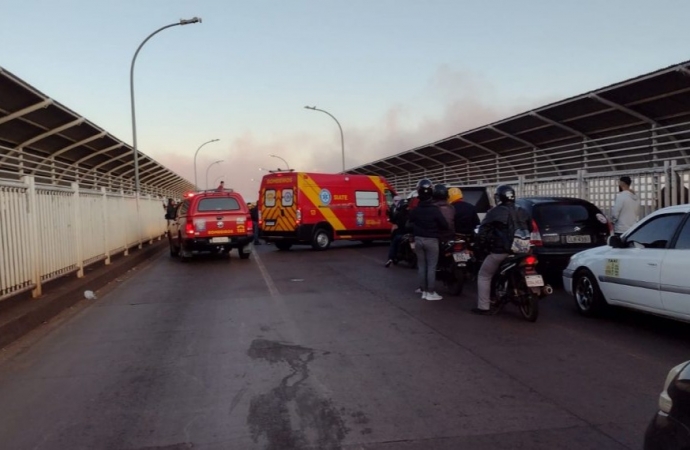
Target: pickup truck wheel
[(321, 239), (185, 255), (242, 253), (174, 251)]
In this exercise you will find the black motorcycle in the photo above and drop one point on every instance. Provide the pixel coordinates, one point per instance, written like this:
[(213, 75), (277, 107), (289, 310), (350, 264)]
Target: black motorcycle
[(518, 282), (456, 263)]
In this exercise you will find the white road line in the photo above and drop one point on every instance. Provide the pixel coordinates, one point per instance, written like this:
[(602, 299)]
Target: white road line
[(266, 276)]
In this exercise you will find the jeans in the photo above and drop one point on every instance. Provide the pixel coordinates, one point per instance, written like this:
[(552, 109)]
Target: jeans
[(395, 245), (427, 259), (486, 274), (255, 224)]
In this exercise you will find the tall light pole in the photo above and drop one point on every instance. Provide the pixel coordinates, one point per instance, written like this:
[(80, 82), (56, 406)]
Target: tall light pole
[(209, 166), (342, 139), (196, 185), (286, 163), (131, 93)]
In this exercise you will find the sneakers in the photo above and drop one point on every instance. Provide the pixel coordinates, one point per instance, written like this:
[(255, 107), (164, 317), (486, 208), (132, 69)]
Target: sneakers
[(388, 263), (481, 312), (431, 296), (419, 291)]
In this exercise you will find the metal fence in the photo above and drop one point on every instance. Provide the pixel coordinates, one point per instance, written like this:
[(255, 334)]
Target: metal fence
[(656, 158), (49, 231)]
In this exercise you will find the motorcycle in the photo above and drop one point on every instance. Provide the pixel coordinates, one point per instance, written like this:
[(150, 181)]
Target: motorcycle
[(455, 263), (518, 282), (406, 251)]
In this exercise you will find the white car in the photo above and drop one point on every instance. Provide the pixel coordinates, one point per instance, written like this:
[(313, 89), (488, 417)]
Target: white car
[(647, 268)]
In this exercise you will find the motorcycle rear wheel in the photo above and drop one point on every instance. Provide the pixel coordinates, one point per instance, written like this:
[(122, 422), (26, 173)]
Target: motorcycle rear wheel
[(457, 282), (529, 307)]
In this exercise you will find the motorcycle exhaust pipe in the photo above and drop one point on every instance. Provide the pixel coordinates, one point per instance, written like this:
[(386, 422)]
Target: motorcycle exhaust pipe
[(547, 290)]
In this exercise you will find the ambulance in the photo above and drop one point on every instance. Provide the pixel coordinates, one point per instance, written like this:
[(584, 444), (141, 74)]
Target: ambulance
[(318, 208)]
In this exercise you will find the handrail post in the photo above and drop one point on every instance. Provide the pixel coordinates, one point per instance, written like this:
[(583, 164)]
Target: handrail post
[(34, 237)]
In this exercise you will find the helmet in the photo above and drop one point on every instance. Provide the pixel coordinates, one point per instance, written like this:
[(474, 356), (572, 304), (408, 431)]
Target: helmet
[(504, 194), (424, 190), (421, 182), (454, 194), (440, 192)]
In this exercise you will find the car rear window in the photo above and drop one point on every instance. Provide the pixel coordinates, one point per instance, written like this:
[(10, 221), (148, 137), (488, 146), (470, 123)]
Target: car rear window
[(218, 204), (556, 215), (478, 198)]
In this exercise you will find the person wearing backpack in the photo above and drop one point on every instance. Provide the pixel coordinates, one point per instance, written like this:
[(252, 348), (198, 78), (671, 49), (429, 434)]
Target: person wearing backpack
[(497, 234)]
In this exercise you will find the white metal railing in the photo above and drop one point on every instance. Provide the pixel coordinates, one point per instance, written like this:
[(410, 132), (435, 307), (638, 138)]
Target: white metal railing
[(48, 231)]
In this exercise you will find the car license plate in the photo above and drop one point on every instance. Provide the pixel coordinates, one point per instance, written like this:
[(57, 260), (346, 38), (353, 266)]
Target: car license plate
[(412, 245), (534, 280), (582, 239), (461, 257), (270, 223), (220, 240)]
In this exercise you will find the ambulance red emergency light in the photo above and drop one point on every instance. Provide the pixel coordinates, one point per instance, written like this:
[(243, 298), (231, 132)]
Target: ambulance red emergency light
[(318, 208)]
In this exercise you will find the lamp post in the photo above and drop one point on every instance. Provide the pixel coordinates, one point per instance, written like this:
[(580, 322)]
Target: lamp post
[(196, 185), (218, 178), (342, 139), (286, 163), (131, 92), (209, 166)]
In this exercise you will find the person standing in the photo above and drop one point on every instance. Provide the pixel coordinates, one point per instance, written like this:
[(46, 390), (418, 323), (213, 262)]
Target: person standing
[(427, 225), (626, 208), (440, 196), (496, 235), (221, 187), (254, 213), (398, 217)]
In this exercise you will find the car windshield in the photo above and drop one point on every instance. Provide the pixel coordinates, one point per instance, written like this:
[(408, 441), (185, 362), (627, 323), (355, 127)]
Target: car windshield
[(218, 204), (560, 214)]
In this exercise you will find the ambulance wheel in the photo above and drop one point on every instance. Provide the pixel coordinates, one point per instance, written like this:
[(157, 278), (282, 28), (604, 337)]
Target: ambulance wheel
[(283, 246), (321, 239)]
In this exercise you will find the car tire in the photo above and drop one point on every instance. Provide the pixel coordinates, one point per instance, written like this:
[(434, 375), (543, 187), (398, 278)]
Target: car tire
[(321, 239), (588, 297), (243, 255), (283, 246), (184, 255)]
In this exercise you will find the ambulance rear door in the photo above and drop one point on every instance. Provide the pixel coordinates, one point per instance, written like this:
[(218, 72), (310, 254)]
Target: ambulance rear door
[(278, 206)]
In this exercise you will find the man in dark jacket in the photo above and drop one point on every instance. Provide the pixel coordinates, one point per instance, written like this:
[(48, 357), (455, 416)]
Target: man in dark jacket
[(398, 217), (427, 225), (254, 213), (466, 218), (496, 234)]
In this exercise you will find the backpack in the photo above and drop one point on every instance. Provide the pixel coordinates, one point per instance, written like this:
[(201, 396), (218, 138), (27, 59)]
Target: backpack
[(520, 242)]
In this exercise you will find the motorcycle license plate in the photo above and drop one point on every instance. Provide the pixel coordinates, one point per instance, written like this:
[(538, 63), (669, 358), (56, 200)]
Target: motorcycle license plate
[(461, 257), (534, 281), (412, 245)]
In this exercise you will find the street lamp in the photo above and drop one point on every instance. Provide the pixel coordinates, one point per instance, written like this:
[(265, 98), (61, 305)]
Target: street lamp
[(342, 139), (286, 163), (218, 178), (209, 166), (196, 185), (131, 92)]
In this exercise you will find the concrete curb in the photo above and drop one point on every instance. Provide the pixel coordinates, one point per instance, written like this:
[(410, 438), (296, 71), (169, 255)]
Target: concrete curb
[(26, 314)]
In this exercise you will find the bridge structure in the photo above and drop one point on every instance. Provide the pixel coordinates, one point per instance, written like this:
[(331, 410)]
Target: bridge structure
[(67, 195)]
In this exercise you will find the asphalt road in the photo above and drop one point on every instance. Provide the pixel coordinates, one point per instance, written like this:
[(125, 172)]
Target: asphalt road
[(327, 350)]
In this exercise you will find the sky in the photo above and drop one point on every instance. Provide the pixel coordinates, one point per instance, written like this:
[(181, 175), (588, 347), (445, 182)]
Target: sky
[(395, 73)]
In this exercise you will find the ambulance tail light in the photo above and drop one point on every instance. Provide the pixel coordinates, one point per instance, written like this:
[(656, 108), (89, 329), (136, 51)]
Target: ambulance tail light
[(189, 229), (535, 237), (298, 217), (261, 220)]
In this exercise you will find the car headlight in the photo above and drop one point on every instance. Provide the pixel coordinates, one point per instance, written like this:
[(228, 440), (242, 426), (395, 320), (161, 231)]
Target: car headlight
[(665, 402)]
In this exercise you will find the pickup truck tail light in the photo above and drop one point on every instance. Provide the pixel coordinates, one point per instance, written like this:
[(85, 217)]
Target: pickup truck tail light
[(189, 228), (250, 225)]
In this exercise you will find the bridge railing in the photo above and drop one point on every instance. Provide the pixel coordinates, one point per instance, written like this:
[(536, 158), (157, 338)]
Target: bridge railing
[(47, 231)]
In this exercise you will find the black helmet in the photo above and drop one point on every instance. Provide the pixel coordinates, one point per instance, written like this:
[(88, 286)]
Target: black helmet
[(423, 181), (504, 194), (440, 192), (424, 190)]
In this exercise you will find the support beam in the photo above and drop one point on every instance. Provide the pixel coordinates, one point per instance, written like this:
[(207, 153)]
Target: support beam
[(29, 109), (474, 144), (528, 144), (52, 131), (70, 147), (469, 162)]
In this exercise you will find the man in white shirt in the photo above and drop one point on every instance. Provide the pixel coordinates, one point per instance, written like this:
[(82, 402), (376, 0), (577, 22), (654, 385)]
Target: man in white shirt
[(626, 208)]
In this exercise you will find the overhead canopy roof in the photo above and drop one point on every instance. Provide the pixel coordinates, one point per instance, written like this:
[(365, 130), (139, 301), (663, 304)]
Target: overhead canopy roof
[(39, 136), (617, 127)]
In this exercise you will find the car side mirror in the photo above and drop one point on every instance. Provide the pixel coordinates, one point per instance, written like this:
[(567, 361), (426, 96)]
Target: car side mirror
[(615, 242)]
